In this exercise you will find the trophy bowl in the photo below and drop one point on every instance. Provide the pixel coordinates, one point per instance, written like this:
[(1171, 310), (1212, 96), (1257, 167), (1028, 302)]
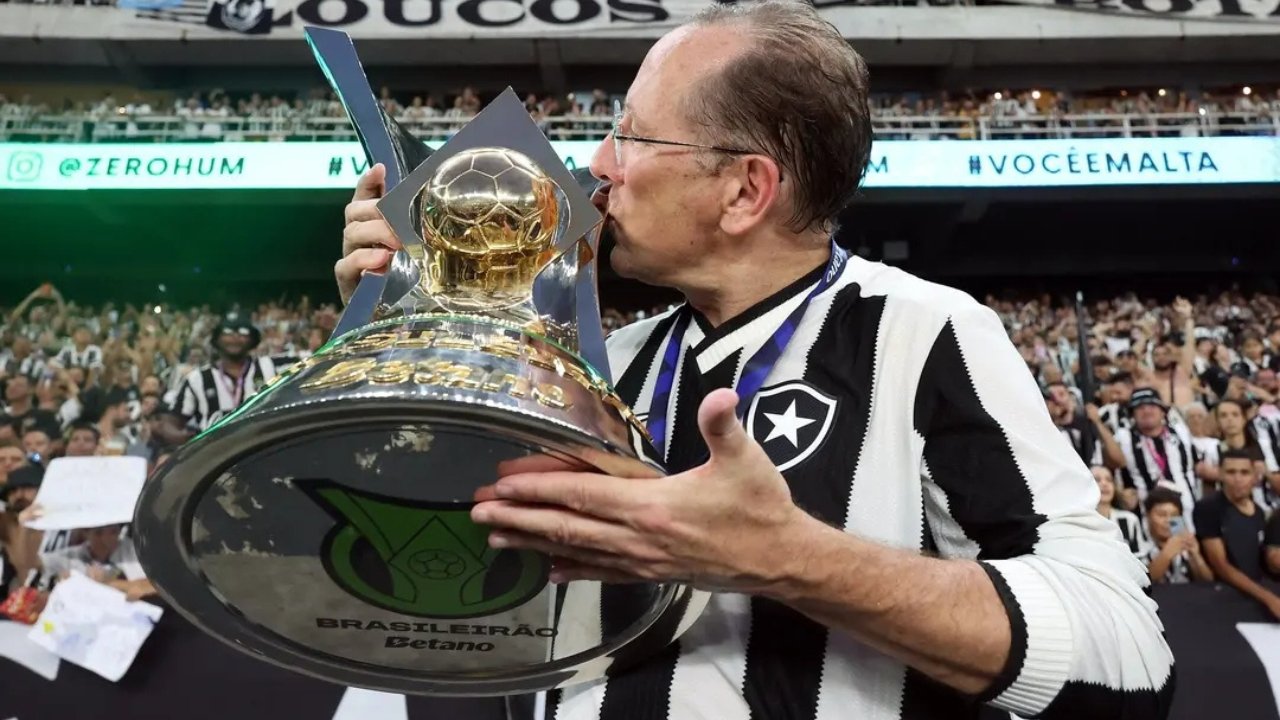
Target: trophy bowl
[(325, 525)]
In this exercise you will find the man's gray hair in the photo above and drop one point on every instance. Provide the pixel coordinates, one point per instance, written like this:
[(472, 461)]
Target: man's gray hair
[(798, 94)]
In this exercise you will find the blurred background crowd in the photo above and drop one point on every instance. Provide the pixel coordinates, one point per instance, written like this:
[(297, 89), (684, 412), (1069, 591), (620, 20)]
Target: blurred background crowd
[(1157, 401), (317, 115)]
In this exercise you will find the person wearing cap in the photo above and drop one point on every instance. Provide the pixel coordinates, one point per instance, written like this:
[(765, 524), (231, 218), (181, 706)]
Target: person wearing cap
[(1156, 453), (209, 393), (21, 544)]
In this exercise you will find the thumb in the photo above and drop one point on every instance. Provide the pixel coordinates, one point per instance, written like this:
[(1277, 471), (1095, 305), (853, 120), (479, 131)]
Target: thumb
[(372, 184), (718, 421)]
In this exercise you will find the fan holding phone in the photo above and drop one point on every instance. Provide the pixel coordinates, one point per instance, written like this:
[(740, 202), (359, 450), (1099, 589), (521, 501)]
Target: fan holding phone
[(1174, 555)]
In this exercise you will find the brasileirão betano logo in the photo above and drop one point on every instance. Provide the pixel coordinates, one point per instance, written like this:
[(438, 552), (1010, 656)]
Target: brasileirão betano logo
[(420, 558)]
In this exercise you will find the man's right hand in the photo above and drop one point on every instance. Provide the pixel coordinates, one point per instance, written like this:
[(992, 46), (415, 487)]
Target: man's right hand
[(368, 243)]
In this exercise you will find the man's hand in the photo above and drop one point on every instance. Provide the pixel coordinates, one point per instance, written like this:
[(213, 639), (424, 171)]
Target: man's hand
[(725, 525), (1273, 605), (32, 512), (368, 243)]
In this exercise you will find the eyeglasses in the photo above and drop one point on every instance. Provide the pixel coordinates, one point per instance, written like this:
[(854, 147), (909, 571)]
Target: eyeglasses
[(616, 135)]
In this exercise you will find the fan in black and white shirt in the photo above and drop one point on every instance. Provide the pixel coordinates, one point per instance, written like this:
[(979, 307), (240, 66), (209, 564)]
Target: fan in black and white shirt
[(81, 353), (208, 394), (1156, 452), (22, 359), (1255, 438), (1074, 426), (1115, 392), (1173, 554), (1131, 527)]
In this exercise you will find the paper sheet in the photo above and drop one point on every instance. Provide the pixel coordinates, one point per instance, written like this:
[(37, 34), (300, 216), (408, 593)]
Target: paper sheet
[(87, 492), (94, 626), (1265, 639), (361, 704), (16, 646)]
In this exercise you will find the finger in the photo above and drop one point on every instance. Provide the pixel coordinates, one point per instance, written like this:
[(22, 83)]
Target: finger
[(598, 495), (721, 429), (361, 210), (538, 464), (372, 184), (557, 526), (369, 234), (512, 540)]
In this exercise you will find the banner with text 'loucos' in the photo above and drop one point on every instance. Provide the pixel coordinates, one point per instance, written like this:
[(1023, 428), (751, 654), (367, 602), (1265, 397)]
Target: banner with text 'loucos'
[(893, 164), (438, 18)]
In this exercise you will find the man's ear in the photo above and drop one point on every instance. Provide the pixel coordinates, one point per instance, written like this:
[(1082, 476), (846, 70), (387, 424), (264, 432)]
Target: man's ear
[(752, 193)]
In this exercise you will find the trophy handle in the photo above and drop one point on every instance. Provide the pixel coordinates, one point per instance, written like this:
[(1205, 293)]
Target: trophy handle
[(384, 141)]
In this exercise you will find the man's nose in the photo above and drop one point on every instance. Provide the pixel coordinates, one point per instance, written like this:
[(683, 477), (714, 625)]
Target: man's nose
[(604, 163)]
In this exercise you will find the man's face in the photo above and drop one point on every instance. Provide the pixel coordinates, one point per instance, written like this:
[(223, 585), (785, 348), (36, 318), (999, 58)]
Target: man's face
[(18, 389), (1164, 356), (1252, 348), (11, 458), (1149, 418), (1197, 420), (20, 499), (1265, 378), (664, 206), (36, 442), (81, 337), (103, 541), (1127, 361), (77, 376), (119, 415), (150, 385), (1238, 478), (21, 347), (234, 344), (1205, 348), (81, 444)]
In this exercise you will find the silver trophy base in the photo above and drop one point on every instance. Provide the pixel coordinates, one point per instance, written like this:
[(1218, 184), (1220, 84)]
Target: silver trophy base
[(325, 526)]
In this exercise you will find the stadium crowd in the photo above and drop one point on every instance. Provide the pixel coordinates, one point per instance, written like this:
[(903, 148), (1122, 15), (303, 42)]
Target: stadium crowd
[(1176, 408), (216, 114)]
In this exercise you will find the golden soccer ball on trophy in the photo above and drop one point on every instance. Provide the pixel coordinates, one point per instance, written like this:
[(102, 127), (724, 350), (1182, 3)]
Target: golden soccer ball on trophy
[(488, 219)]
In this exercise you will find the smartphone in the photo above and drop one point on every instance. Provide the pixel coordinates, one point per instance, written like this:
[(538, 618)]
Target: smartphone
[(1176, 526)]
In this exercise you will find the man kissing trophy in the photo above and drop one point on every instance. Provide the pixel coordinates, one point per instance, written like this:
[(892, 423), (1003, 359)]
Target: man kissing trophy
[(325, 526)]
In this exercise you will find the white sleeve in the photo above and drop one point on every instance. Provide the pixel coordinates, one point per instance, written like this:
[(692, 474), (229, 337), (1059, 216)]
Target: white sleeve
[(1085, 633)]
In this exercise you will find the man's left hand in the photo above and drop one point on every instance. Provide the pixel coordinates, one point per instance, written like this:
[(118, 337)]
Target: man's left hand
[(728, 524)]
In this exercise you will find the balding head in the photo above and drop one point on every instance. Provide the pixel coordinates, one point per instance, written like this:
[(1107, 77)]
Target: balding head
[(784, 82)]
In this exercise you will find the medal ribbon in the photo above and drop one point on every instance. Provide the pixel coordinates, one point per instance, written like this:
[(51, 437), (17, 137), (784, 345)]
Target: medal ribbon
[(237, 391), (756, 370)]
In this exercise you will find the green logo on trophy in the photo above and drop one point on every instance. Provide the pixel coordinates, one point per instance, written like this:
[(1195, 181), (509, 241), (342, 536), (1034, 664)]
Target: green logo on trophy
[(421, 559)]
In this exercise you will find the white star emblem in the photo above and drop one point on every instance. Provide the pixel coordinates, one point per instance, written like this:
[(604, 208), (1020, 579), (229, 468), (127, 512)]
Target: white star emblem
[(786, 425)]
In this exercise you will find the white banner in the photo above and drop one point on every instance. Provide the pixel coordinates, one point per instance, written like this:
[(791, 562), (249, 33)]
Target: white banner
[(1039, 20), (894, 164)]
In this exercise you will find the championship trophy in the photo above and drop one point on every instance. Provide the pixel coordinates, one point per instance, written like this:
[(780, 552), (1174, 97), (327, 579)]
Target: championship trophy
[(325, 525)]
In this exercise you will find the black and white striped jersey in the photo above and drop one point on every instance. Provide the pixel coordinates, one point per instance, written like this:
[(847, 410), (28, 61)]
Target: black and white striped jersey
[(88, 359), (1133, 529), (207, 394), (901, 412), (1179, 571), (1115, 416), (1168, 458), (31, 366)]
